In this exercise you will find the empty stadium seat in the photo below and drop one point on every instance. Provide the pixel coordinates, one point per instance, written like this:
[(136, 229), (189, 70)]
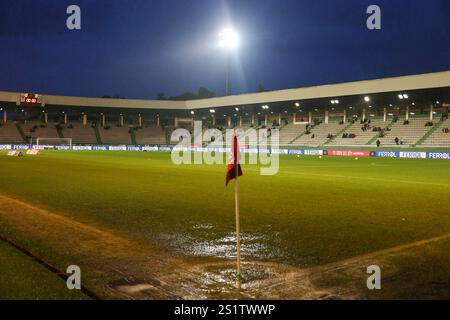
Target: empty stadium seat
[(115, 135), (80, 134), (361, 137), (36, 129), (439, 138), (319, 134), (9, 133), (150, 136), (289, 132), (408, 133)]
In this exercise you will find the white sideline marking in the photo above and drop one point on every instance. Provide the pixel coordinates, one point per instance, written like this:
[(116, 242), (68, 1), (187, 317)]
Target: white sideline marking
[(359, 178), (369, 178)]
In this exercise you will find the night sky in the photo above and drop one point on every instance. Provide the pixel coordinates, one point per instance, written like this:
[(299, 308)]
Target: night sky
[(136, 48)]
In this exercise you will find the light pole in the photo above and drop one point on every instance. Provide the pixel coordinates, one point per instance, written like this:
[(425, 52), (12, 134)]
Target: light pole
[(229, 41)]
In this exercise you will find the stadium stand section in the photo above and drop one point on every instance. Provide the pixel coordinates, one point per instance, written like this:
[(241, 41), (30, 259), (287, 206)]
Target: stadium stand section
[(290, 132), (423, 97), (408, 134), (319, 134), (150, 135), (115, 135), (9, 133), (440, 137), (80, 133), (360, 137), (38, 129)]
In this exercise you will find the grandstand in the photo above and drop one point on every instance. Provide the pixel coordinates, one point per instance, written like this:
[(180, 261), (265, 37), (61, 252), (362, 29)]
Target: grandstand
[(408, 132), (80, 134), (9, 133), (291, 132), (360, 137), (439, 138), (36, 129), (150, 136), (115, 135), (319, 134), (304, 116)]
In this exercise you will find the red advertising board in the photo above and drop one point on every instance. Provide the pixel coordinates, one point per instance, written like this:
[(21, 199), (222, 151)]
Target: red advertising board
[(349, 153)]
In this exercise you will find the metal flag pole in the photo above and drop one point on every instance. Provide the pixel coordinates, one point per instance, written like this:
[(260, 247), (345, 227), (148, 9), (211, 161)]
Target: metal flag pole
[(238, 225)]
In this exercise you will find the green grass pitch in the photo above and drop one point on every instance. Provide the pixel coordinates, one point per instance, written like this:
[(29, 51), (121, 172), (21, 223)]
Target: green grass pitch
[(314, 211), (23, 278)]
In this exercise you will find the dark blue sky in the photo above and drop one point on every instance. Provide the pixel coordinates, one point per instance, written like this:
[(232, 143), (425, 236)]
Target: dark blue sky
[(136, 48)]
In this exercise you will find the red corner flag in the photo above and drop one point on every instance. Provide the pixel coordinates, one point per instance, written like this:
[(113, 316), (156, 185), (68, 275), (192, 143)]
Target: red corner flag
[(233, 172), (233, 167)]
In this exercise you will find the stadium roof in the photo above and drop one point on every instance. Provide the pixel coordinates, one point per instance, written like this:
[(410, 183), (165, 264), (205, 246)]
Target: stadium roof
[(394, 84)]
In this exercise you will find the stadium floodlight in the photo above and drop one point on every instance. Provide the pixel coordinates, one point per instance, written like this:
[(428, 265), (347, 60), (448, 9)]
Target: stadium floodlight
[(192, 112), (212, 111), (437, 102), (297, 104), (229, 38), (403, 96), (237, 109), (265, 107), (366, 99), (335, 101), (229, 41)]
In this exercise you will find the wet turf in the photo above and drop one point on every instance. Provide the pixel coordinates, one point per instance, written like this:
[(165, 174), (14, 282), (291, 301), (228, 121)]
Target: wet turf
[(313, 212)]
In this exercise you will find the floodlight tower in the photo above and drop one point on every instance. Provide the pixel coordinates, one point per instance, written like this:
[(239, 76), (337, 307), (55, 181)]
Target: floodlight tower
[(229, 41)]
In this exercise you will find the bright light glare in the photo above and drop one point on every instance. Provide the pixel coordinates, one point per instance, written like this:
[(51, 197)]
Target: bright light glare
[(229, 38), (366, 99)]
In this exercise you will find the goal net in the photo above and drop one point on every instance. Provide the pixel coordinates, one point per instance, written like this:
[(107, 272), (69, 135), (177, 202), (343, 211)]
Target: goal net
[(43, 142)]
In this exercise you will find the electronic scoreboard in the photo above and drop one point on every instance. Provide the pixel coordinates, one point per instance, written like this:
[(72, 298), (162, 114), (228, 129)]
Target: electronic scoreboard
[(30, 99)]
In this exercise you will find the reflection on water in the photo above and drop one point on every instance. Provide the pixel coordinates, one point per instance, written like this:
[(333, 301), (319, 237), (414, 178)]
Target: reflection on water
[(207, 241)]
